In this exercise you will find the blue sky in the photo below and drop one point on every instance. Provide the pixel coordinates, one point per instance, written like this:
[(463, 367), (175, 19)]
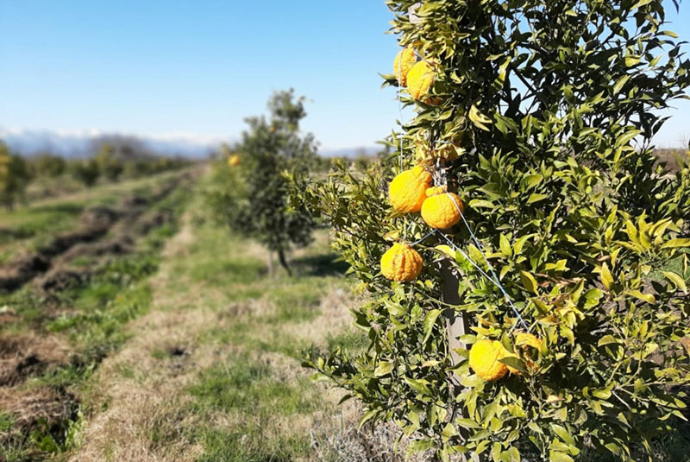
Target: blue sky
[(199, 67)]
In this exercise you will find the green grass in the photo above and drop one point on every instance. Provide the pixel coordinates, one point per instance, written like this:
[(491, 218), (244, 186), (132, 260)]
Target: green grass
[(250, 386), (32, 226), (251, 391), (257, 384), (94, 318)]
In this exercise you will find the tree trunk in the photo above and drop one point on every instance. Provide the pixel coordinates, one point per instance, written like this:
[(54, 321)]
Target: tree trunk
[(457, 324), (269, 263), (283, 261)]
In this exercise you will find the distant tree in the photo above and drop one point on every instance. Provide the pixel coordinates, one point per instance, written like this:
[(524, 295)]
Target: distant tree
[(14, 177), (109, 165), (48, 165), (252, 194), (137, 168), (85, 171)]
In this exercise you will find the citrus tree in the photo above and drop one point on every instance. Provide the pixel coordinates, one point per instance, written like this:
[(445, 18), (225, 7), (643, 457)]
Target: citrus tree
[(251, 192), (523, 199), (108, 163), (85, 171), (14, 177), (47, 165)]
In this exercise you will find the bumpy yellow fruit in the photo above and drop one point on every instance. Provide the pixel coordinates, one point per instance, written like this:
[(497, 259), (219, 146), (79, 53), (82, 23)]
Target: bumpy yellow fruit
[(234, 161), (404, 61), (484, 360), (441, 209), (522, 341), (407, 191), (419, 81), (401, 263)]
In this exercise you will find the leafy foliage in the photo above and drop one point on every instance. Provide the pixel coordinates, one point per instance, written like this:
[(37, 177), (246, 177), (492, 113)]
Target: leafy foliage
[(551, 106), (47, 165), (85, 171), (14, 176), (252, 196), (108, 164)]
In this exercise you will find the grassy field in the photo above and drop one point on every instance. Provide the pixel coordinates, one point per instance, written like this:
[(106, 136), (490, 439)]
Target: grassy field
[(183, 348), (31, 226)]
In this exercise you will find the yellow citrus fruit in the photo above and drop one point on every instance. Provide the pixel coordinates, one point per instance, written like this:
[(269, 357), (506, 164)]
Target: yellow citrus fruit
[(442, 209), (484, 360), (401, 263), (419, 81), (234, 161), (404, 61), (407, 191)]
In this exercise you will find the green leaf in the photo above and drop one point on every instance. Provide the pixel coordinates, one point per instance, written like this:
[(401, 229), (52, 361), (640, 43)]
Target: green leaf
[(383, 368), (429, 322), (481, 203), (420, 445), (673, 243), (606, 277), (649, 298), (536, 198), (505, 246), (607, 340), (602, 394), (479, 119), (530, 181), (467, 423), (677, 280), (366, 417), (420, 386), (528, 281), (559, 457), (592, 297), (563, 434), (514, 362)]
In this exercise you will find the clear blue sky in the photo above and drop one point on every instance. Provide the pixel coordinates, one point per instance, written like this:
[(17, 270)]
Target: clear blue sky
[(200, 67)]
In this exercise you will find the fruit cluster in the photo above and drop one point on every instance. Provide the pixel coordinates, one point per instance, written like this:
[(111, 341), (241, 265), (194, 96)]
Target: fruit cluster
[(412, 191)]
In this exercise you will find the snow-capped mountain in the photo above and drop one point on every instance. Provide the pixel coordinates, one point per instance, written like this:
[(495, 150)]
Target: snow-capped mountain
[(80, 143)]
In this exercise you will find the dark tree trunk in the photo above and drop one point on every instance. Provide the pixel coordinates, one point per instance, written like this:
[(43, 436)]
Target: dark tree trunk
[(283, 262)]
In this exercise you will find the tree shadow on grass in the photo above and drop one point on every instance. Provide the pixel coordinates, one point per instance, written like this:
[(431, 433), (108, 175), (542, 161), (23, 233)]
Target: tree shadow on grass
[(322, 265), (8, 235), (66, 208)]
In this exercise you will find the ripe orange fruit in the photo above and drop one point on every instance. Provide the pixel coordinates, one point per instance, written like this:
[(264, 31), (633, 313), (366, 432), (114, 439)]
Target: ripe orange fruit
[(442, 209), (419, 81), (404, 61), (484, 360), (234, 160), (407, 191), (401, 263)]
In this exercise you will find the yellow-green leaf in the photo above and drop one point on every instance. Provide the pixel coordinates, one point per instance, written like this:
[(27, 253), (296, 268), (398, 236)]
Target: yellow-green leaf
[(528, 281), (606, 277), (677, 280)]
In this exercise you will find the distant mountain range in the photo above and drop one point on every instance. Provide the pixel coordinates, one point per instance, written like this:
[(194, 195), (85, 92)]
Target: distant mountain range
[(80, 143)]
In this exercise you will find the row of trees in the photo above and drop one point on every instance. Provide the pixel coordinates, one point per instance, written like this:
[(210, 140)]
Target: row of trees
[(108, 164)]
